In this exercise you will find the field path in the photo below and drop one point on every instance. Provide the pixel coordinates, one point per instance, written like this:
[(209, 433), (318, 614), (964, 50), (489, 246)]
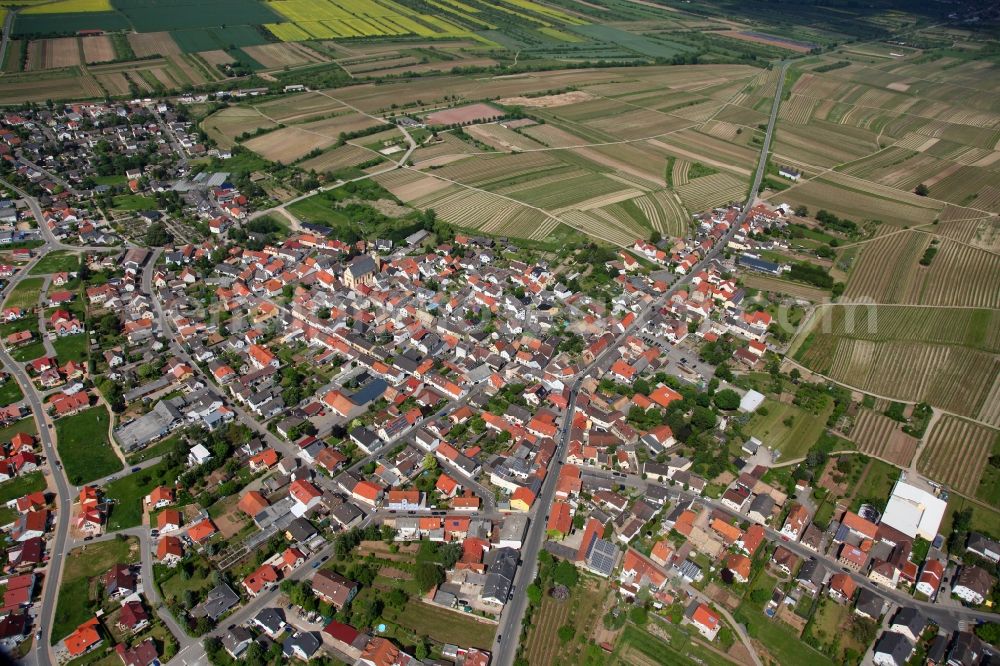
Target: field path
[(922, 229), (936, 415)]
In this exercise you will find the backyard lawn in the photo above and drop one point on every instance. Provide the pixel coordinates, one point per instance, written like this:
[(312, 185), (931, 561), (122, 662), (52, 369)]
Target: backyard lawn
[(134, 202), (173, 584), (84, 448), (160, 448), (72, 348), (876, 484), (788, 428), (57, 262), (10, 392), (442, 625), (29, 352), (76, 604), (21, 486), (24, 425), (778, 638), (127, 494), (25, 294)]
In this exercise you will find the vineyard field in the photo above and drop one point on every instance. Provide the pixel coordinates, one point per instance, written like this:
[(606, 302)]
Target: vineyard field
[(957, 452)]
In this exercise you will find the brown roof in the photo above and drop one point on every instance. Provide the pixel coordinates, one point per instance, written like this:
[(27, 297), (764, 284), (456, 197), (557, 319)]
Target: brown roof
[(333, 587)]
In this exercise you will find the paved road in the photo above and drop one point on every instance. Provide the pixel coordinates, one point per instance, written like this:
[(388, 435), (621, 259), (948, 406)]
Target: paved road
[(56, 547), (182, 159), (8, 24), (48, 174), (513, 612)]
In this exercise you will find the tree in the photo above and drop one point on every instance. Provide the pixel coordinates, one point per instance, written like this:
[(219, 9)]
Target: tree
[(428, 575), (921, 190), (255, 655), (157, 235), (566, 633), (702, 418), (566, 574), (638, 615), (989, 632), (534, 594), (727, 399)]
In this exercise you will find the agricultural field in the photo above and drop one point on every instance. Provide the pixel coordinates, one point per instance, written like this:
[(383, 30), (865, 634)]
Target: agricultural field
[(52, 53), (330, 19), (957, 453), (227, 124), (292, 142), (958, 379), (777, 285), (946, 357), (881, 437), (888, 270)]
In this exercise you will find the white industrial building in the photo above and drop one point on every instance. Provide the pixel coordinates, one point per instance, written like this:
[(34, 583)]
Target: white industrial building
[(913, 511)]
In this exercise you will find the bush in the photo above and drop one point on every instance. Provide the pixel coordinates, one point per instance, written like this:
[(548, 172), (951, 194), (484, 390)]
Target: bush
[(638, 615), (727, 399)]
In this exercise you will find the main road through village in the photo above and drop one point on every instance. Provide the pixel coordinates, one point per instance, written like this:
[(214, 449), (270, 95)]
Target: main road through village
[(509, 632)]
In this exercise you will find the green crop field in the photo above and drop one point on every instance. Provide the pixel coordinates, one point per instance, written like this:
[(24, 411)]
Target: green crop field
[(151, 16), (84, 448), (192, 40), (68, 24)]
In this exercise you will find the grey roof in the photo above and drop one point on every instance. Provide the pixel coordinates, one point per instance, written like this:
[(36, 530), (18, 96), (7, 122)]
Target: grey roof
[(911, 619), (897, 646), (272, 619), (301, 529), (869, 603), (500, 574), (236, 640), (306, 641), (362, 265), (148, 427), (219, 600)]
